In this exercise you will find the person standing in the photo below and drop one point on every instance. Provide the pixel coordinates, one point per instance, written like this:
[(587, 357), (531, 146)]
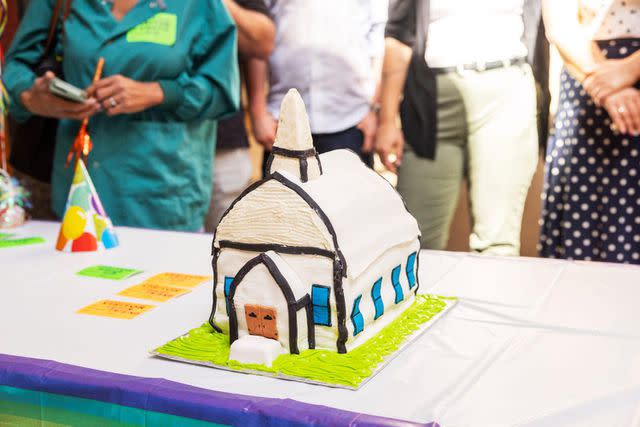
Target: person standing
[(330, 51), (469, 111), (591, 204), (232, 166), (170, 71)]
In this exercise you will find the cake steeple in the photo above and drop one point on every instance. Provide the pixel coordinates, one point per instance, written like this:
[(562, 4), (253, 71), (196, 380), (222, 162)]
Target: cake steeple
[(293, 149)]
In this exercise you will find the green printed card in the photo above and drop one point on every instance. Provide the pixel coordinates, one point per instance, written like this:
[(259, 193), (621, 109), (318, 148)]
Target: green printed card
[(159, 29), (108, 272), (12, 243)]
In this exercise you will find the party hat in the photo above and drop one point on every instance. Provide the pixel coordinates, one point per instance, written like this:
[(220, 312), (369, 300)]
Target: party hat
[(86, 226)]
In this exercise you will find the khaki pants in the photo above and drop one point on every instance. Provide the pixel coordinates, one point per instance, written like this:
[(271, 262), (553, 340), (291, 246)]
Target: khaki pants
[(487, 133)]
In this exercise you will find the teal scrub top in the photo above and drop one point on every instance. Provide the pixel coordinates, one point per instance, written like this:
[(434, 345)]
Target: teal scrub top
[(151, 169)]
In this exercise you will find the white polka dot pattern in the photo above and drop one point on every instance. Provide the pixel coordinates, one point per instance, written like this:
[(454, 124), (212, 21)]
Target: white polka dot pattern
[(591, 203)]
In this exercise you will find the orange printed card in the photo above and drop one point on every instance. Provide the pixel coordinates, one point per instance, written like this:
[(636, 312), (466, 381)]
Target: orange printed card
[(153, 292), (177, 279), (115, 309)]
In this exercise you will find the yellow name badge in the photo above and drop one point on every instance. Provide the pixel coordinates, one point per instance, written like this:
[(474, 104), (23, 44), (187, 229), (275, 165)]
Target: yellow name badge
[(159, 29)]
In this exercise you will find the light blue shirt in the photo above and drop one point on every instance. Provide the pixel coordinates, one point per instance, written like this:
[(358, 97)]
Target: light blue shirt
[(326, 50)]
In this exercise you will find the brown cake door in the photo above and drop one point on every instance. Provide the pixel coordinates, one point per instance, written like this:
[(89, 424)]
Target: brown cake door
[(269, 327), (261, 320)]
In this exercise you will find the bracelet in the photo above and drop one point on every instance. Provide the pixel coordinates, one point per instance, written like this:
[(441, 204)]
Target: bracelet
[(374, 107)]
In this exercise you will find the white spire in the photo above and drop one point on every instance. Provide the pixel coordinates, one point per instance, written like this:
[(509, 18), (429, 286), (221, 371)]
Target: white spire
[(293, 148), (294, 132)]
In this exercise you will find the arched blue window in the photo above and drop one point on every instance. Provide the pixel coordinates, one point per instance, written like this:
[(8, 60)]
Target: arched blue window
[(411, 272), (377, 298), (395, 280), (356, 316), (227, 287), (320, 302)]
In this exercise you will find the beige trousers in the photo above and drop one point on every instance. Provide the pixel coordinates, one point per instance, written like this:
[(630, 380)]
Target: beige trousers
[(487, 133)]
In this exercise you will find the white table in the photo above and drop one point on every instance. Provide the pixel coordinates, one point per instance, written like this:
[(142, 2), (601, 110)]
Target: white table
[(531, 343)]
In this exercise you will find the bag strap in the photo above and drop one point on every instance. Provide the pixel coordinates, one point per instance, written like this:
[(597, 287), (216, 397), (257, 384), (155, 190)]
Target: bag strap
[(53, 24)]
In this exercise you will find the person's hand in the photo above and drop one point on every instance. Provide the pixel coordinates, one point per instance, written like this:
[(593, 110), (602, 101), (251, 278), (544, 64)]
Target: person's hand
[(264, 128), (608, 77), (40, 101), (368, 126), (624, 109), (122, 95), (389, 145)]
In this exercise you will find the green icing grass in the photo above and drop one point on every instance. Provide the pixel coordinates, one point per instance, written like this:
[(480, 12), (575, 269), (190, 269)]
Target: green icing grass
[(350, 369)]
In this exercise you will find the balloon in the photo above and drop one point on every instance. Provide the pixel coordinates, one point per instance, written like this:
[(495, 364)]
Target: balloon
[(74, 222), (81, 197), (62, 241), (109, 238), (100, 225), (85, 243), (95, 202)]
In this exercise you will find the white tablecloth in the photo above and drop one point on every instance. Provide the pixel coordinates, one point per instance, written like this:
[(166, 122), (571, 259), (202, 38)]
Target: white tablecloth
[(531, 342)]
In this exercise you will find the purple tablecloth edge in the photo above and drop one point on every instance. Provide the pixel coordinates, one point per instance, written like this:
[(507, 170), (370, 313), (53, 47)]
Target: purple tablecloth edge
[(169, 397)]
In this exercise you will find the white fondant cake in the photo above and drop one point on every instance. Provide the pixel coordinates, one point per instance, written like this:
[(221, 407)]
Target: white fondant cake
[(322, 253)]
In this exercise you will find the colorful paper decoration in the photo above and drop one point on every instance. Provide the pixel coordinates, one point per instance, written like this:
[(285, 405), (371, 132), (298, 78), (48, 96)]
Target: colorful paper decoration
[(14, 199), (85, 226)]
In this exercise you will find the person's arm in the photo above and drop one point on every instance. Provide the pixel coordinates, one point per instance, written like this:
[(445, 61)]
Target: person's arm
[(611, 76), (375, 41), (565, 32), (208, 90), (256, 32), (389, 138), (264, 124), (28, 95)]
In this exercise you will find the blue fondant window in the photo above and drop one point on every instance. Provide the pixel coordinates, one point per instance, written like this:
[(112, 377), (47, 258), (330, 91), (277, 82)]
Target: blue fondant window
[(377, 298), (227, 288), (395, 279), (356, 316), (320, 302), (411, 272)]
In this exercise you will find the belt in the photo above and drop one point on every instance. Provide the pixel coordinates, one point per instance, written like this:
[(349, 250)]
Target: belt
[(480, 66)]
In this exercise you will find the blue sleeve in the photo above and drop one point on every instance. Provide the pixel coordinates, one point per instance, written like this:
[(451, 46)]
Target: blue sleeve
[(25, 53), (211, 89)]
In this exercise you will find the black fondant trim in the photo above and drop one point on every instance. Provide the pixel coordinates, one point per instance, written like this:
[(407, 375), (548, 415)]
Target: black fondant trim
[(319, 163), (304, 170), (341, 312), (214, 265), (305, 302), (283, 284), (267, 168), (265, 247), (418, 268), (296, 154)]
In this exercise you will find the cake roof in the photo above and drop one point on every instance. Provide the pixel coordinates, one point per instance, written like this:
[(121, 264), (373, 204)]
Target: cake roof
[(367, 214), (349, 209)]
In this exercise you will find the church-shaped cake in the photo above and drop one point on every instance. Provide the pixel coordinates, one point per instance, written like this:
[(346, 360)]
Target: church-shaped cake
[(321, 253)]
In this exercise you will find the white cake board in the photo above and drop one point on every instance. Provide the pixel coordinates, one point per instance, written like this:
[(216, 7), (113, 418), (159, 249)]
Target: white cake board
[(407, 342)]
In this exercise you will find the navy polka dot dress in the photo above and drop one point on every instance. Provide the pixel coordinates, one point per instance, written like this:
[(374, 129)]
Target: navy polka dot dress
[(591, 197)]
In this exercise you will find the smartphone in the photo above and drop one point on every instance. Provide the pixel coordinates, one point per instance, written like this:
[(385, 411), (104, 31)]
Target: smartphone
[(67, 91)]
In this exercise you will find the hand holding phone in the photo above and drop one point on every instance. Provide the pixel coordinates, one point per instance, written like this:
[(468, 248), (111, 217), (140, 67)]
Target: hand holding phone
[(67, 91)]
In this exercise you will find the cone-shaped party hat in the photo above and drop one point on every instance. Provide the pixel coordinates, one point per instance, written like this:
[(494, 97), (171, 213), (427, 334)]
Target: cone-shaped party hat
[(85, 226)]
